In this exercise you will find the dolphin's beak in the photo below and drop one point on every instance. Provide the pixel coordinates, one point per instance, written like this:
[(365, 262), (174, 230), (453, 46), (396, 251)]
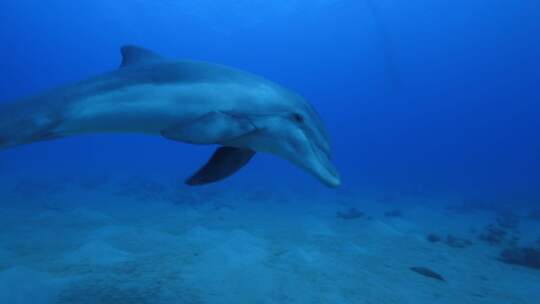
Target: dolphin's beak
[(322, 167), (311, 153), (312, 156), (331, 178), (315, 159)]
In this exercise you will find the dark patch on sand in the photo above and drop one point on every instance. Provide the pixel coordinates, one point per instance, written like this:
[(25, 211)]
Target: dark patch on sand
[(428, 273), (350, 214), (433, 238), (525, 256)]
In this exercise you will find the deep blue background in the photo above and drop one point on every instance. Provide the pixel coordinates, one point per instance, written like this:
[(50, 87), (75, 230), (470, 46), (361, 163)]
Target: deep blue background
[(418, 95)]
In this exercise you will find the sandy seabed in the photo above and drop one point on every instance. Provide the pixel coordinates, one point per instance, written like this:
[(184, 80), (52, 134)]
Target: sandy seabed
[(115, 243)]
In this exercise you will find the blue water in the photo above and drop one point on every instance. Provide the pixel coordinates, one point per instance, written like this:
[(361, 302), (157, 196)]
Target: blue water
[(428, 104)]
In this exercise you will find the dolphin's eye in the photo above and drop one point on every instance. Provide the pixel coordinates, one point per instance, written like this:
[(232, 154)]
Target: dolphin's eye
[(298, 117)]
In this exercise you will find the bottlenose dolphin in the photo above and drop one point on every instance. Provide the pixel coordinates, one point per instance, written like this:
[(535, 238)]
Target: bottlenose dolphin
[(185, 101)]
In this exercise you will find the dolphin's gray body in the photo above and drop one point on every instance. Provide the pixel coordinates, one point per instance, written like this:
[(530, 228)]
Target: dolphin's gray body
[(193, 102)]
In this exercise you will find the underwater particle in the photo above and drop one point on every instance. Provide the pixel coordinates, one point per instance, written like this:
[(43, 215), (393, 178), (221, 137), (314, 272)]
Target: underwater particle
[(428, 273), (350, 214), (394, 213), (456, 242), (523, 256), (433, 238)]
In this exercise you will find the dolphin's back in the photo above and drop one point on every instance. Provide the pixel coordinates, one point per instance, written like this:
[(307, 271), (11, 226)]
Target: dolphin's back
[(183, 72), (34, 118)]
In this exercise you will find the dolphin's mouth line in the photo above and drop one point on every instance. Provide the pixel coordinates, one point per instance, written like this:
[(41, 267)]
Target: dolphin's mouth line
[(246, 117), (320, 157), (323, 158)]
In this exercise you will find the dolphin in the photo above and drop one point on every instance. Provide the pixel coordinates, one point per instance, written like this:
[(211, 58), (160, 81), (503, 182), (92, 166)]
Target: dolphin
[(185, 101)]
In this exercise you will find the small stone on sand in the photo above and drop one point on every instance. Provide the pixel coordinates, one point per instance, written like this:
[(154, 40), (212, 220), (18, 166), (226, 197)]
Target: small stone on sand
[(428, 273)]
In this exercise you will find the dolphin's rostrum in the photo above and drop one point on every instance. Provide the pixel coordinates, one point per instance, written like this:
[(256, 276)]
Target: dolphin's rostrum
[(186, 101)]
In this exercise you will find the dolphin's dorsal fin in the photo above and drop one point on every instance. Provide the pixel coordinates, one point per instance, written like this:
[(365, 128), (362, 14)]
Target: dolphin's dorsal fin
[(132, 55)]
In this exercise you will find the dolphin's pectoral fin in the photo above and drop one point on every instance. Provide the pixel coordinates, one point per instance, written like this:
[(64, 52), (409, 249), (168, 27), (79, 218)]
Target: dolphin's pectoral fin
[(132, 55), (224, 162), (212, 128), (215, 128)]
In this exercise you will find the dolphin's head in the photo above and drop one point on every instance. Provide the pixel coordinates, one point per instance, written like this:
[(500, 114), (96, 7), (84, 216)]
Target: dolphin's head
[(290, 128)]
